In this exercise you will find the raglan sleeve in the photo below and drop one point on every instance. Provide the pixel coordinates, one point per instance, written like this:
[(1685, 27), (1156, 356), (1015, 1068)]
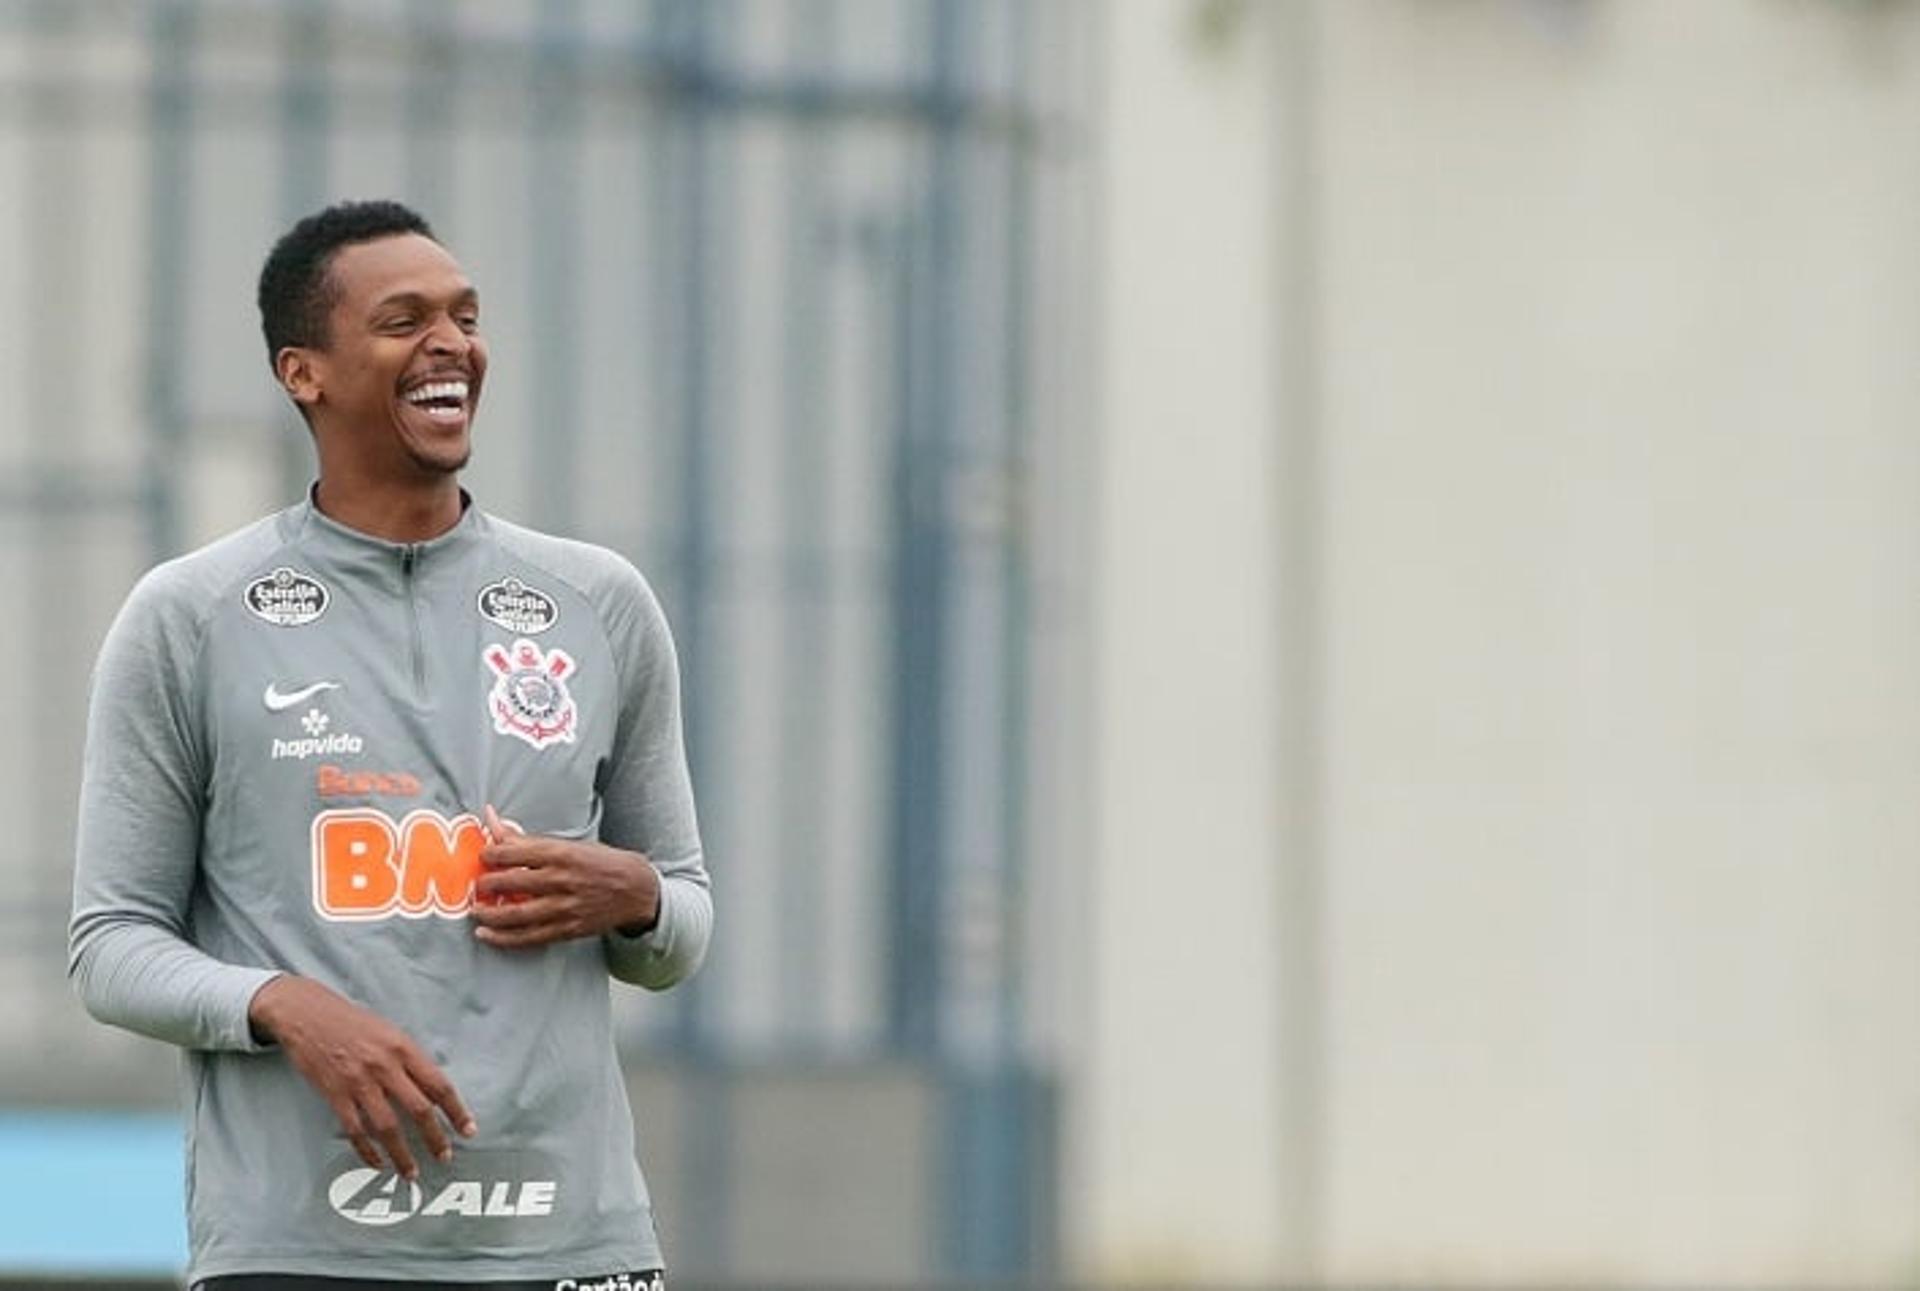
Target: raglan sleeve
[(142, 798), (647, 795)]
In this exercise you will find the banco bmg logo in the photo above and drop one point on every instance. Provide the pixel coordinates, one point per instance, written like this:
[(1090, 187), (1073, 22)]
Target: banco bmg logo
[(381, 1198)]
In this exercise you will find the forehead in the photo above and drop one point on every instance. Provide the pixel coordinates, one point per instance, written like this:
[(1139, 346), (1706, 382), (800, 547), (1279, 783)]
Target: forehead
[(368, 272)]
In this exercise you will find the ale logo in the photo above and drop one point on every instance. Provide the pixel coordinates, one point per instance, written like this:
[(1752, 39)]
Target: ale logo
[(375, 1198), (381, 1198)]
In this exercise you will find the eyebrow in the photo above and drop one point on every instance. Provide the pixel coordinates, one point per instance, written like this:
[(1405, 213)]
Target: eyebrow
[(466, 295)]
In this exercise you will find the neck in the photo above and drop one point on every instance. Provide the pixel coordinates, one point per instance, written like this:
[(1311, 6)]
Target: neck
[(395, 511)]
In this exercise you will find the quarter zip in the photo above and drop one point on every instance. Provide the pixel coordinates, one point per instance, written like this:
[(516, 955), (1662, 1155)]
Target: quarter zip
[(409, 557)]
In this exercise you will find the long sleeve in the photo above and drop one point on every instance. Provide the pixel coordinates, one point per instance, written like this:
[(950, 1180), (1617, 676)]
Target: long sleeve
[(647, 795), (141, 803)]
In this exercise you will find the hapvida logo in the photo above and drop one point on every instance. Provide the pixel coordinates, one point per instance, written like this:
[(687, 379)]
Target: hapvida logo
[(319, 740), (313, 746), (381, 1198)]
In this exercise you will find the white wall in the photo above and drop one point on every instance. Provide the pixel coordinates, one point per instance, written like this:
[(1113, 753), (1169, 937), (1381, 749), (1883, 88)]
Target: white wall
[(1177, 1168), (1617, 371)]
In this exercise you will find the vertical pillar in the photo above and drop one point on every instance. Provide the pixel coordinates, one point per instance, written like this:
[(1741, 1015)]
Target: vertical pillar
[(553, 236), (169, 186), (306, 121), (1177, 1169)]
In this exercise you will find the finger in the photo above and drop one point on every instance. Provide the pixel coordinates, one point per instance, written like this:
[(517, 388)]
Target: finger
[(364, 1147), (524, 938), (348, 1115), (518, 881), (439, 1090), (432, 1134), (516, 849), (519, 914), (433, 1131), (500, 827), (380, 1118)]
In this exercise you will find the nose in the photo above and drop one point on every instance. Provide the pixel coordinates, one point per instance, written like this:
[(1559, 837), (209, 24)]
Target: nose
[(448, 338)]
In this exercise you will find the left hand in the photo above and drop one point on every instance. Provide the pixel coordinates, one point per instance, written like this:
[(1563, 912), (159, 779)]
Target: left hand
[(536, 891)]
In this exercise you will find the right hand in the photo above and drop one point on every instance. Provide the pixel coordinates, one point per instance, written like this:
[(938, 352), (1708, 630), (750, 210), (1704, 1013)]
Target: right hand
[(365, 1067)]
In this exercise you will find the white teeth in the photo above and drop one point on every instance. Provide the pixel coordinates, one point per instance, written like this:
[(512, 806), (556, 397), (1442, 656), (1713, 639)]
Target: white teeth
[(438, 390)]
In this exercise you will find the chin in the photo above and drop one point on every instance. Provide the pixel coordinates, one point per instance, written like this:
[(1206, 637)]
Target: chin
[(436, 464)]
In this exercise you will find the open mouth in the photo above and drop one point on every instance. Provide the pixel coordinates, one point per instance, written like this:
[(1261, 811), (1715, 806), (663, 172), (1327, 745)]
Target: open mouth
[(443, 401)]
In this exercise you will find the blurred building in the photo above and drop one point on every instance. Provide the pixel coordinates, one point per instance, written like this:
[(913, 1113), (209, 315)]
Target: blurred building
[(775, 294), (1506, 704), (1297, 612)]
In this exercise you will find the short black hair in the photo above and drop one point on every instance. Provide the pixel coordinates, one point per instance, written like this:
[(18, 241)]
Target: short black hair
[(296, 291)]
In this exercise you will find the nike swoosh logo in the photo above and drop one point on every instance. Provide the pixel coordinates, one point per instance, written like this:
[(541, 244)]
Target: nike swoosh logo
[(277, 702)]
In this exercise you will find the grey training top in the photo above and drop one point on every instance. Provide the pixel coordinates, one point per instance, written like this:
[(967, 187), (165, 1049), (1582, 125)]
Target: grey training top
[(293, 734)]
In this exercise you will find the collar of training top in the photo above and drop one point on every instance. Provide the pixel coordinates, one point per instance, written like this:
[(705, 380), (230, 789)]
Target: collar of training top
[(315, 530)]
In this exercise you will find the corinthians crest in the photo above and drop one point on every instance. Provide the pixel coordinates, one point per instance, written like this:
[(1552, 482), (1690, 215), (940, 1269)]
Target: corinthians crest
[(529, 698)]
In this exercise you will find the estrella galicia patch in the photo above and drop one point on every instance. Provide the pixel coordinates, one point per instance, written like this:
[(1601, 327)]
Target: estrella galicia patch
[(287, 598), (519, 608)]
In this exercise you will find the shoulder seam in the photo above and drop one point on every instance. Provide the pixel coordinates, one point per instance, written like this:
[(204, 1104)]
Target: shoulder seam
[(203, 632), (593, 606)]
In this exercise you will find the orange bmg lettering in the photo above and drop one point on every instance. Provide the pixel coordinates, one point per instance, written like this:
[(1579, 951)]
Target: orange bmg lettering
[(365, 866)]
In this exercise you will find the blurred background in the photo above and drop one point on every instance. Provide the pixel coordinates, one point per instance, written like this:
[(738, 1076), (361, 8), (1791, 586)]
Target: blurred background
[(1299, 617)]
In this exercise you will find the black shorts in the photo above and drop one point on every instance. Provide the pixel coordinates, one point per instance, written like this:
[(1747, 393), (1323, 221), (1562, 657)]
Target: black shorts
[(643, 1280)]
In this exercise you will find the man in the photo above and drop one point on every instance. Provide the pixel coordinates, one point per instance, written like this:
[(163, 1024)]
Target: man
[(378, 794)]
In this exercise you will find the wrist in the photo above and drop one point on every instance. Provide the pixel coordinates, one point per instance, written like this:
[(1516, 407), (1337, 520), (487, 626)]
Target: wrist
[(262, 1010), (648, 903)]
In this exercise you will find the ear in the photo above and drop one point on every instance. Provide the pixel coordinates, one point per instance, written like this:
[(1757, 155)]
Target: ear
[(299, 372)]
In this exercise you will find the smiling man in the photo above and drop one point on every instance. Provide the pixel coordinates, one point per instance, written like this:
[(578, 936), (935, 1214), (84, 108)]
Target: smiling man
[(380, 794)]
